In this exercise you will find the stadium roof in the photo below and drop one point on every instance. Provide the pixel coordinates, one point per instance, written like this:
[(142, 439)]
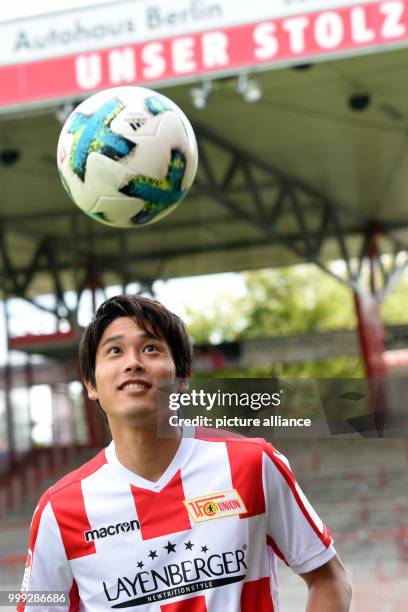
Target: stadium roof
[(297, 176)]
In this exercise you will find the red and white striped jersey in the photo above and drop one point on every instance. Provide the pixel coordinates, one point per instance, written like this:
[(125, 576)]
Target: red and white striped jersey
[(204, 537)]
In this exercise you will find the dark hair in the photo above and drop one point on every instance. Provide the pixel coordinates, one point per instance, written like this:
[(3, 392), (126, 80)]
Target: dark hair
[(150, 315)]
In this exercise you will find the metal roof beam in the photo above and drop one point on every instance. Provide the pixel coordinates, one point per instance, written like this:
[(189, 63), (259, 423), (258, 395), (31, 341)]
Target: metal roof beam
[(293, 199)]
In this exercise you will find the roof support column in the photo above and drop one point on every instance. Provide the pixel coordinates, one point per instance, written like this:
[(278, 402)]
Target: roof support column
[(371, 334), (11, 448)]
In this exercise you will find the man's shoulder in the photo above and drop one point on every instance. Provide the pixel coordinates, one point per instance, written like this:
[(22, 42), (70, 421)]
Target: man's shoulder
[(208, 434), (76, 476)]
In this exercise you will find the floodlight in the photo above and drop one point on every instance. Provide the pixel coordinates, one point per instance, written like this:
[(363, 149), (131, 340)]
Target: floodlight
[(249, 89), (199, 95)]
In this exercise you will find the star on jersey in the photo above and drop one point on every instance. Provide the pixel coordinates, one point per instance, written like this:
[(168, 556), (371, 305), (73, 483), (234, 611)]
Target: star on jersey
[(204, 549), (140, 564), (152, 554), (170, 547), (189, 545)]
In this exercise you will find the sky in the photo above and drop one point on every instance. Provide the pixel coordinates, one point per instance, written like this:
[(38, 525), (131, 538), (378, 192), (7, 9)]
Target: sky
[(196, 293)]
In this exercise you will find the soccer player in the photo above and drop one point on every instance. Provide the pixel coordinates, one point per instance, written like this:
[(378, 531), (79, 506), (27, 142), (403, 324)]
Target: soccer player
[(171, 524)]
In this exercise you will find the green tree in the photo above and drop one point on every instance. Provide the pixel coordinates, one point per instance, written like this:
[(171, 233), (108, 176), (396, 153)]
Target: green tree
[(394, 308), (295, 301), (221, 321), (281, 302), (278, 302)]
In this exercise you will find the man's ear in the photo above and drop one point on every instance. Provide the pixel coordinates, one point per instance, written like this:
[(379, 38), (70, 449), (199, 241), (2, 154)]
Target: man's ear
[(184, 382), (91, 390)]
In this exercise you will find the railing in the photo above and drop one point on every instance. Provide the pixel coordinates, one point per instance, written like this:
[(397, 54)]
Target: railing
[(24, 478)]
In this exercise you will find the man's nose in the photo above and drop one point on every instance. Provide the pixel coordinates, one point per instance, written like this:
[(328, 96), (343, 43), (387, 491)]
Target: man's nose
[(134, 363)]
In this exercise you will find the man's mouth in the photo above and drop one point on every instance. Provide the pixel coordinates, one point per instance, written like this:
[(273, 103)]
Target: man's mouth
[(134, 385)]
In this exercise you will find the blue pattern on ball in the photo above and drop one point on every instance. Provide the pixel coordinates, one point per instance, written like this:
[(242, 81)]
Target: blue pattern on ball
[(93, 133)]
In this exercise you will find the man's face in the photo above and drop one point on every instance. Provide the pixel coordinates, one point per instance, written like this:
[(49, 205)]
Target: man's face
[(130, 366)]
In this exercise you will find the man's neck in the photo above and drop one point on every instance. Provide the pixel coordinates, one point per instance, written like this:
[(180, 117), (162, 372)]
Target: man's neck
[(142, 452)]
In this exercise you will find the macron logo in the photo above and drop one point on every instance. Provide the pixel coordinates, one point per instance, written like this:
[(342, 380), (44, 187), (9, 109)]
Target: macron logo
[(111, 530)]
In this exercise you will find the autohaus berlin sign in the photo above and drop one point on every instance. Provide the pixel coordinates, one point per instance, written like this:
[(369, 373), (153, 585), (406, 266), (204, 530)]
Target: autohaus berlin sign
[(71, 53)]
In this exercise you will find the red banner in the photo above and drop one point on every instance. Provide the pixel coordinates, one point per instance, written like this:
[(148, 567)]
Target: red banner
[(287, 40)]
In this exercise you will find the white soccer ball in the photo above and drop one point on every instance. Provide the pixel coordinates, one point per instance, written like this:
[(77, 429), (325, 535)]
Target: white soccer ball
[(127, 156)]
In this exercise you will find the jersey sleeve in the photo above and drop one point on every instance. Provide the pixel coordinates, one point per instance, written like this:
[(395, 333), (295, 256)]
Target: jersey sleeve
[(294, 531), (47, 568)]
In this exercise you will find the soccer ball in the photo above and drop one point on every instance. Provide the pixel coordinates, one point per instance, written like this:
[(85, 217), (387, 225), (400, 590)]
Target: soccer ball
[(127, 156)]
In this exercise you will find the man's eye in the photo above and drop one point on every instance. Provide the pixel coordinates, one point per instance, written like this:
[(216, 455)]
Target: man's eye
[(150, 348), (114, 350)]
